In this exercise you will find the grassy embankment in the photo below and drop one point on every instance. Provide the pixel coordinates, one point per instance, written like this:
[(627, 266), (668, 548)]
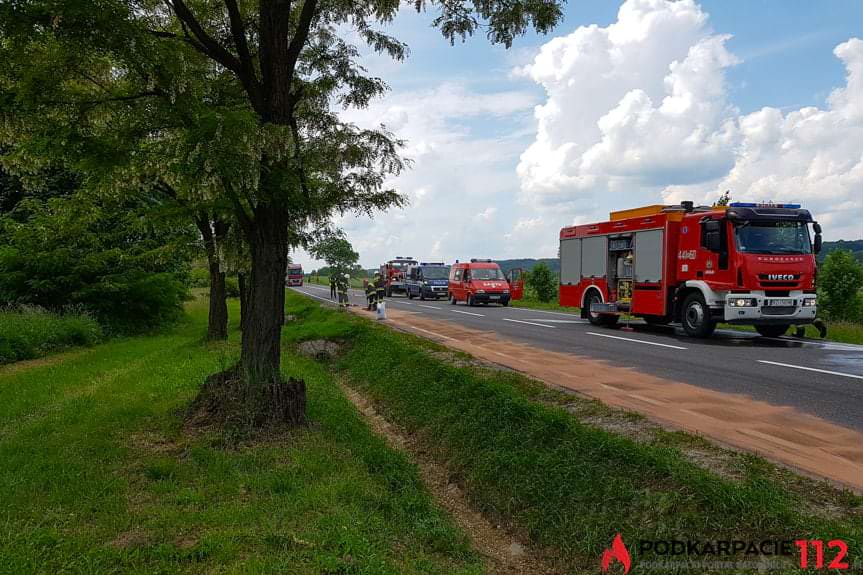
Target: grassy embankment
[(98, 475), (530, 456), (28, 333)]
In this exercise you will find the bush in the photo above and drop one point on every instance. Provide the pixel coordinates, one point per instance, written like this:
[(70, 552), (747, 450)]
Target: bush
[(542, 282), (130, 271), (31, 332), (840, 279), (199, 278), (232, 286)]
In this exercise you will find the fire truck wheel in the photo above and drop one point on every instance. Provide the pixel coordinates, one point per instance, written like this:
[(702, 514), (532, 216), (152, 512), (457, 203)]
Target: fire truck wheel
[(696, 316), (771, 330), (598, 318)]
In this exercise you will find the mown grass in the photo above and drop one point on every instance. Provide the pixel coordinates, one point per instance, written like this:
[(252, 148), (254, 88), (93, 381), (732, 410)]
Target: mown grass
[(97, 475), (568, 486), (31, 332)]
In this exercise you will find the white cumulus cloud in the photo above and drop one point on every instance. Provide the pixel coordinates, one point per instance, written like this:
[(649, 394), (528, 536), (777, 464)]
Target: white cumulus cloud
[(639, 110)]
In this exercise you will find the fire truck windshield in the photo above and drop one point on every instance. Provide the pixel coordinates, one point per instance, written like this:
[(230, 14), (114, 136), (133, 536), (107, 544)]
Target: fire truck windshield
[(778, 237), (486, 274)]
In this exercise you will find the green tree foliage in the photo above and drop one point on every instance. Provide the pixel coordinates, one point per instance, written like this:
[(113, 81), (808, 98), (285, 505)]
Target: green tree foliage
[(337, 251), (840, 279), (542, 282), (109, 259)]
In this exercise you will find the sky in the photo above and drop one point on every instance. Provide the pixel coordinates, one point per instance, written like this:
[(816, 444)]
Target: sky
[(622, 105)]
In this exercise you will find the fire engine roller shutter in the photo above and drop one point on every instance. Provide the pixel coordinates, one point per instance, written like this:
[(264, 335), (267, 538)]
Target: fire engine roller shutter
[(570, 261), (594, 256), (648, 256)]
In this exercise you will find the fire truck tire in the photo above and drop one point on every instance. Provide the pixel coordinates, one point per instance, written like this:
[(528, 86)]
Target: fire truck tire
[(771, 330), (696, 316), (505, 303), (598, 318)]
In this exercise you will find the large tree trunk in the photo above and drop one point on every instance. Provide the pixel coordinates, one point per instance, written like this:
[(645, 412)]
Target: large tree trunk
[(261, 349)]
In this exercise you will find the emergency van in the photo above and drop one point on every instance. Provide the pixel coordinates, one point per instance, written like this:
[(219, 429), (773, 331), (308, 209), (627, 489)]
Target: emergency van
[(427, 280), (480, 282), (746, 263)]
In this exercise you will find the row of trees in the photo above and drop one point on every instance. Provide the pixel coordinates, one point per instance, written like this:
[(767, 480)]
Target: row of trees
[(840, 281), (229, 110)]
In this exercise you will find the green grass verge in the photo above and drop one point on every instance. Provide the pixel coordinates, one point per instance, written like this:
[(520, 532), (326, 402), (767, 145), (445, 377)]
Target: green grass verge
[(531, 303), (28, 333), (568, 486), (97, 476)]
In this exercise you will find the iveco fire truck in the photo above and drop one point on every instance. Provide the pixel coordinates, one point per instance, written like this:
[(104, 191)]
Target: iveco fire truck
[(394, 274), (745, 263)]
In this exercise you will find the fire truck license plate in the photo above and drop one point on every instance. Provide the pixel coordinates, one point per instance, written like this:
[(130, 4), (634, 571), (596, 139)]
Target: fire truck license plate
[(494, 297), (780, 302)]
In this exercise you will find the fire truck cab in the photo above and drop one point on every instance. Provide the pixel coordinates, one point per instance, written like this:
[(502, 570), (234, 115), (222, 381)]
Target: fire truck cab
[(742, 264), (394, 273), (295, 275)]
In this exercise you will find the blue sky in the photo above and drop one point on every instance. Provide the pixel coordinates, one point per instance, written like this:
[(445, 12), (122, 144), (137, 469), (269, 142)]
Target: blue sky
[(456, 103)]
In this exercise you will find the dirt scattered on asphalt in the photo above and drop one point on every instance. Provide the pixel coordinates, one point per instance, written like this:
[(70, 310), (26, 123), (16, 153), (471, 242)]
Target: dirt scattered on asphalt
[(503, 553)]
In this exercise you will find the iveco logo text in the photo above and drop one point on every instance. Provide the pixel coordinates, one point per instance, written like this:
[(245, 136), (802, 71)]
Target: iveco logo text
[(781, 276)]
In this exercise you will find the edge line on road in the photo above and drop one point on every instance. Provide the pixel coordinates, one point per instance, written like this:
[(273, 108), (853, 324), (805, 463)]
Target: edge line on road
[(827, 371), (528, 322), (635, 340), (466, 312)]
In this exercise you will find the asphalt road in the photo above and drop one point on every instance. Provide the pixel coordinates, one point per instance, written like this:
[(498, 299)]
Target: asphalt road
[(821, 378)]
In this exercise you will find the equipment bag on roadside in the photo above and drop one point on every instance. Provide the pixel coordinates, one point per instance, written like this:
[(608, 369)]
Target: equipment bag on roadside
[(382, 310)]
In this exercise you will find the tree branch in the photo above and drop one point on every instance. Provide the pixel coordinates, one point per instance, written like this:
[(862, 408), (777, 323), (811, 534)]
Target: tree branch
[(205, 43), (300, 35)]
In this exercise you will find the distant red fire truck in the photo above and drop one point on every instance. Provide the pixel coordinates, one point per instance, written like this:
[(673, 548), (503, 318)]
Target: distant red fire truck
[(295, 275), (394, 273), (745, 264)]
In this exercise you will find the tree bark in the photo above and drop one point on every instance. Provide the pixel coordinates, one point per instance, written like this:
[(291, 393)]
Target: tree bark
[(261, 346), (217, 321)]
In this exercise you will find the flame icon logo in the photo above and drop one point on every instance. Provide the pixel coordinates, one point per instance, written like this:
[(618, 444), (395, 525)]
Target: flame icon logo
[(618, 552)]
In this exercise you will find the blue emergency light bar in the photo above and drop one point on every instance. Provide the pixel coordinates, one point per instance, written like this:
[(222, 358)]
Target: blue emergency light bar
[(754, 205)]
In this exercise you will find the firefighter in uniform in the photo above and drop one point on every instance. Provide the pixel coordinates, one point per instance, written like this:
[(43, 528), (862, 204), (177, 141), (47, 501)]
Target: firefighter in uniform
[(333, 282), (380, 288), (370, 294), (344, 281)]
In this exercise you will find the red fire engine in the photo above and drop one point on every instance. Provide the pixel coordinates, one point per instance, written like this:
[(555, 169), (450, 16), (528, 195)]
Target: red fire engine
[(394, 274), (745, 264)]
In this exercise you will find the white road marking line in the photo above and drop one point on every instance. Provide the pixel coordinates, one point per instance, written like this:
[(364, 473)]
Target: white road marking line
[(635, 340), (839, 373), (429, 306), (328, 300), (560, 320), (527, 309), (528, 322), (466, 312)]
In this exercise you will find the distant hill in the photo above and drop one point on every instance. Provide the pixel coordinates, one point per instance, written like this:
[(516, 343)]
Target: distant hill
[(854, 246)]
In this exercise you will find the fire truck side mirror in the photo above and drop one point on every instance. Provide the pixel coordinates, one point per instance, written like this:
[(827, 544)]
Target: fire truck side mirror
[(817, 245)]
